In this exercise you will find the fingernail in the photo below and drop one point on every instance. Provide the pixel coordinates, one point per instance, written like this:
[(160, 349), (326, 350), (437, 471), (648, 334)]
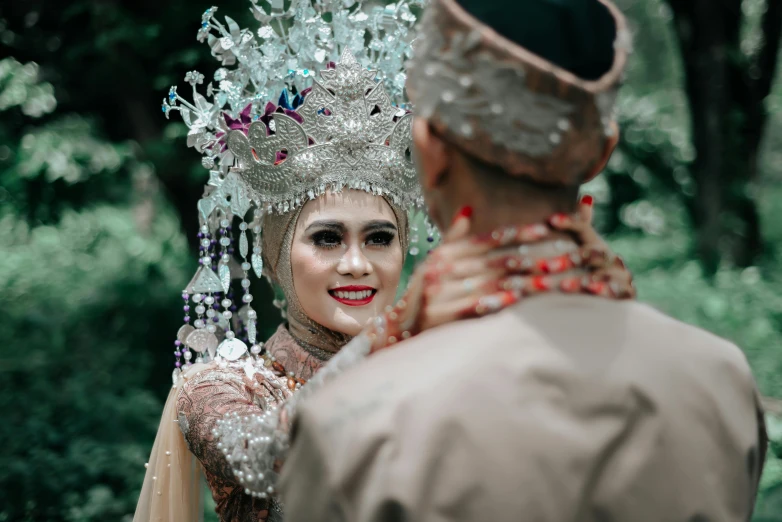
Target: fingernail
[(540, 283), (509, 298), (587, 200), (596, 287), (557, 220), (465, 211), (571, 285)]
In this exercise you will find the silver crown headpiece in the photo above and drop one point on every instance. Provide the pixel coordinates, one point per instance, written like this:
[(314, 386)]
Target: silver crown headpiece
[(346, 134), (273, 138)]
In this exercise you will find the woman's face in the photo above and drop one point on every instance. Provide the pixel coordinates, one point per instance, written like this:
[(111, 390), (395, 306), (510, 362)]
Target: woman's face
[(346, 259)]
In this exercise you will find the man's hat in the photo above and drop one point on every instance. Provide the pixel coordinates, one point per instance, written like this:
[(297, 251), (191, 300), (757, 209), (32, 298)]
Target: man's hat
[(527, 85)]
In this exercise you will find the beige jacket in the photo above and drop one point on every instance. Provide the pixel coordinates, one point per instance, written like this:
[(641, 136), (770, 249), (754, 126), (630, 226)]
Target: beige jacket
[(562, 408)]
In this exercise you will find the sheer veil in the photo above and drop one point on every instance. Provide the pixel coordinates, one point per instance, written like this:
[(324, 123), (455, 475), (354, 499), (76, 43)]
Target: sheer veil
[(172, 485)]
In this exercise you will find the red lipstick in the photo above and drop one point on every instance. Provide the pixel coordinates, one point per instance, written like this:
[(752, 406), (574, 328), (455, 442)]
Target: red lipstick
[(353, 295)]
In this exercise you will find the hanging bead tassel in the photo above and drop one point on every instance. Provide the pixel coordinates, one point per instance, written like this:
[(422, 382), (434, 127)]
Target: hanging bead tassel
[(233, 348), (179, 344)]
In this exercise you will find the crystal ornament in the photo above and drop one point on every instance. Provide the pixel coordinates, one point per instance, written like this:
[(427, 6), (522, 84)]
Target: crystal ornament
[(225, 276), (204, 281), (251, 331), (201, 341), (183, 332), (257, 263), (232, 349), (243, 245)]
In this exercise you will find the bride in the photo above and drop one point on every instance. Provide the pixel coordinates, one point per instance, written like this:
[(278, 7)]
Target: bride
[(321, 190)]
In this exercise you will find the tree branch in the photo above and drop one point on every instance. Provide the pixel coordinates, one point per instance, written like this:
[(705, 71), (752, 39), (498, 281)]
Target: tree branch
[(768, 56)]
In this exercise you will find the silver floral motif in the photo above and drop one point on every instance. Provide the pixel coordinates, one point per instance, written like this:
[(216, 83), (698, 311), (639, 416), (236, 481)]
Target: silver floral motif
[(349, 117), (469, 92)]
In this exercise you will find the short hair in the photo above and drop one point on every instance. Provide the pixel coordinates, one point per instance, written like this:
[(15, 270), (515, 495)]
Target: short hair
[(497, 183)]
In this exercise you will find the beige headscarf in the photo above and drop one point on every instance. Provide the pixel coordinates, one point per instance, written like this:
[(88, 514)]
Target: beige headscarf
[(278, 231)]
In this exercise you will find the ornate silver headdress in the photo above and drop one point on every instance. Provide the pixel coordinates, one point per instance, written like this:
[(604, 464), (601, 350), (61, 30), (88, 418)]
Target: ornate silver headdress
[(273, 137), (348, 134)]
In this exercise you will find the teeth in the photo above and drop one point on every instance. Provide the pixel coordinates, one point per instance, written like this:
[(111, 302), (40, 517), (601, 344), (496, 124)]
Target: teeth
[(354, 296)]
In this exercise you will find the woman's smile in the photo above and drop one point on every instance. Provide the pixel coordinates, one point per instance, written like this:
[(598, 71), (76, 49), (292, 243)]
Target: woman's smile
[(353, 295)]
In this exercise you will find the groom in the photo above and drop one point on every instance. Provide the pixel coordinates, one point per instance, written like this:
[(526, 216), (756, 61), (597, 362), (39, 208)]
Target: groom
[(559, 408)]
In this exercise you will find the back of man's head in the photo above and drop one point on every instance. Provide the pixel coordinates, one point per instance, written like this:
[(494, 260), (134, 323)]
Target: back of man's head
[(549, 69)]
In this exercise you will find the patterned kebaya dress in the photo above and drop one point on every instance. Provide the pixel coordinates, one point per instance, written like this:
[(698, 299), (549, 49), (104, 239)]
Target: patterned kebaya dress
[(245, 388)]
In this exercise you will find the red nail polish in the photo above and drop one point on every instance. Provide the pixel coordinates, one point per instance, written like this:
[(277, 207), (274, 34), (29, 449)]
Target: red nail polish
[(558, 219), (571, 285), (540, 283), (587, 200), (465, 211), (596, 287), (558, 264), (508, 298)]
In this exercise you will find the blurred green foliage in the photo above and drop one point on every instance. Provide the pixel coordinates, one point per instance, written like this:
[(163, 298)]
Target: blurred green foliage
[(97, 226)]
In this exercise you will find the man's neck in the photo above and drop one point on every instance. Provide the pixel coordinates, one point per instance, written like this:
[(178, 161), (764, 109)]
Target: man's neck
[(488, 215)]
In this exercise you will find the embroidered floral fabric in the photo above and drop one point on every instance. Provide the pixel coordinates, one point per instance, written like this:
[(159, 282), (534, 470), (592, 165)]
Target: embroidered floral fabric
[(220, 390)]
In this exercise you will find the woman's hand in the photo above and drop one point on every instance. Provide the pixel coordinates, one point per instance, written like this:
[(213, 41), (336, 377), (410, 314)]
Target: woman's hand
[(473, 276)]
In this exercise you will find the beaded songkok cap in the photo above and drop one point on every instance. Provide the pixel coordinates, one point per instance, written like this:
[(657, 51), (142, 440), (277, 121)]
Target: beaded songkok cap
[(273, 137), (507, 106)]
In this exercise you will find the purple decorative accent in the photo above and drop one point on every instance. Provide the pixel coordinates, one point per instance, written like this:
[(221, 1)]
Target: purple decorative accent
[(295, 115), (178, 353), (243, 122), (177, 343), (186, 308), (178, 364), (216, 319), (187, 319)]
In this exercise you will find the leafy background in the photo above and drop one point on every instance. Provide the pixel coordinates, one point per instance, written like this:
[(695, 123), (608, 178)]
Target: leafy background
[(97, 221)]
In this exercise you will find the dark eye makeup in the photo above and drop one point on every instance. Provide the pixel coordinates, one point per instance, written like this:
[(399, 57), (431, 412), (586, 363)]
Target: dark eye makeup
[(326, 239), (331, 234), (381, 238)]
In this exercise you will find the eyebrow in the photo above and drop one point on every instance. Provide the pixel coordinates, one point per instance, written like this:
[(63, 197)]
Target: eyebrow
[(338, 226), (379, 224)]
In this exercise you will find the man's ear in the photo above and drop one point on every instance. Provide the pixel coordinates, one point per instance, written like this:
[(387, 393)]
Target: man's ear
[(430, 152), (608, 149)]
